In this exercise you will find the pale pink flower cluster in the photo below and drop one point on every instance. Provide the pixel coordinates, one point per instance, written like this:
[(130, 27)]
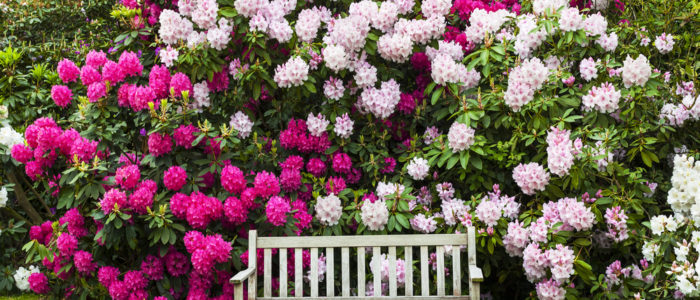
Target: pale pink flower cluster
[(365, 74), (595, 25), (431, 8), (168, 56), (328, 209), (530, 177), (559, 260), (636, 71), (573, 214), (445, 70), (385, 189), (195, 39), (560, 151), (482, 22), (200, 96), (570, 20), (333, 88), (374, 214), (307, 24), (336, 58), (292, 73), (343, 126), (366, 8), (664, 43), (550, 290), (421, 31), (616, 219), (675, 114), (516, 239), (453, 210), (204, 14), (526, 41), (604, 99), (451, 49), (495, 206), (247, 8), (380, 102), (218, 37), (460, 137), (418, 168), (317, 124), (395, 47), (242, 124), (173, 27), (268, 17), (523, 81), (349, 32), (423, 224), (588, 69), (608, 41), (541, 7), (385, 18), (404, 6)]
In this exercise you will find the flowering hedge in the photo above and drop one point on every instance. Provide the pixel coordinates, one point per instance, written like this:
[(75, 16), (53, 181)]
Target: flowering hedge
[(564, 131)]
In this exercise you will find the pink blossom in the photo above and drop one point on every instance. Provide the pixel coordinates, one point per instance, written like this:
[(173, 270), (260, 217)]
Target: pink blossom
[(68, 71), (61, 95), (174, 178), (159, 144), (276, 210)]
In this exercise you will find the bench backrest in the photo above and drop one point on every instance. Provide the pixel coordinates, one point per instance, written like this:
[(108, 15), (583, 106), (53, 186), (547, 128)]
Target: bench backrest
[(346, 244)]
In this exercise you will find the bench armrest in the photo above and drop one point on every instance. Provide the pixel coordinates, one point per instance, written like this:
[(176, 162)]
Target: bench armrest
[(242, 275), (475, 274)]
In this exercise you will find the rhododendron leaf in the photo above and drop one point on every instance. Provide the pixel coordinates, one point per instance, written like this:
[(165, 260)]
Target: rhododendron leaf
[(310, 87), (402, 219), (646, 158), (582, 242), (484, 57), (429, 88), (476, 162), (452, 162), (436, 95)]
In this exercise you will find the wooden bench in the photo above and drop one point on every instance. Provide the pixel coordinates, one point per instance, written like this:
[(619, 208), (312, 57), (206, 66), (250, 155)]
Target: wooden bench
[(346, 243)]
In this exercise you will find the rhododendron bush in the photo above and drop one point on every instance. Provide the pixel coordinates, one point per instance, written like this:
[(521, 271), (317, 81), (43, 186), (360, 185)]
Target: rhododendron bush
[(564, 131)]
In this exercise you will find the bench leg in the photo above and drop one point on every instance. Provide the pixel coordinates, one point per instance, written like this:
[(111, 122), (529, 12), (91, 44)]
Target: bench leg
[(474, 292), (238, 291)]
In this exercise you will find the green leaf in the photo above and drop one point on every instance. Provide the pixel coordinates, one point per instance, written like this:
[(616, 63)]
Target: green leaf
[(436, 95), (310, 87), (476, 162)]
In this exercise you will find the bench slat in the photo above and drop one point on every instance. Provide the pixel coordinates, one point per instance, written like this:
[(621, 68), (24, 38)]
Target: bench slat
[(377, 258), (465, 297), (314, 272), (329, 272), (252, 262), (298, 274), (392, 271), (283, 272), (425, 291), (345, 258), (267, 263), (456, 271), (361, 271), (362, 241), (440, 257), (408, 256)]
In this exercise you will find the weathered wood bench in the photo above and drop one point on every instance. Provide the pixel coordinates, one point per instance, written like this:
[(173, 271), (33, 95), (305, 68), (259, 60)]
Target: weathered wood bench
[(345, 243)]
